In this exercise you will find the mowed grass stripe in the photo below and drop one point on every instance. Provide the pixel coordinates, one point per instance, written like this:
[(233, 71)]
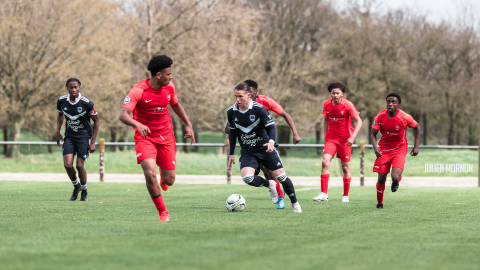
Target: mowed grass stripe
[(420, 228)]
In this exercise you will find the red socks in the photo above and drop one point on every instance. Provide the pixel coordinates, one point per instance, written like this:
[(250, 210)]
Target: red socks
[(380, 191), (158, 201), (346, 186), (324, 182), (279, 190)]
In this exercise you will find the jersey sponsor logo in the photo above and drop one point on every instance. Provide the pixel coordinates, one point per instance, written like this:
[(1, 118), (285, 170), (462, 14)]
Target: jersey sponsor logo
[(335, 119), (146, 101), (79, 109), (252, 118), (74, 125), (126, 100), (391, 133), (157, 109), (249, 139)]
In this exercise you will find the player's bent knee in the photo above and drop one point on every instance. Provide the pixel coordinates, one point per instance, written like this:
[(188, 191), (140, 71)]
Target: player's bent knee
[(248, 178), (282, 177), (325, 163), (79, 168)]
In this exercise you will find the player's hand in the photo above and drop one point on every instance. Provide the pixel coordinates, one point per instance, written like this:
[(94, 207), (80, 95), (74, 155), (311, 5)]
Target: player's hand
[(143, 130), (227, 129), (378, 153), (350, 141), (296, 139), (231, 159), (91, 147), (414, 151), (189, 134), (59, 138), (270, 146)]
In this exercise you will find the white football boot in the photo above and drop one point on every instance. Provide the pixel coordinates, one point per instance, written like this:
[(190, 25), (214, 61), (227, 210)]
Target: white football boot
[(345, 199), (321, 197), (273, 190), (296, 207)]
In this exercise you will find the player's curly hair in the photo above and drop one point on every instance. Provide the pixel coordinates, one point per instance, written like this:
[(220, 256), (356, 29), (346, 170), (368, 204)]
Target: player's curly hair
[(72, 80), (252, 83), (395, 95), (335, 85), (243, 87), (158, 63)]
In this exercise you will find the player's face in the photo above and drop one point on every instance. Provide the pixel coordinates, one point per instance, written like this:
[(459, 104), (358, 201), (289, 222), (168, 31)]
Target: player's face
[(392, 104), (164, 76), (336, 94), (73, 89), (242, 98)]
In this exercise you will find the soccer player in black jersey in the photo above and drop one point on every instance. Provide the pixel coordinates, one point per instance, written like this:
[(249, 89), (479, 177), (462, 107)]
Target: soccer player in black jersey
[(79, 135), (253, 126)]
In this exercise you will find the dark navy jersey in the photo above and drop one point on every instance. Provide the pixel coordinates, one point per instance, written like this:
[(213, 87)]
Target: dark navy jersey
[(250, 125), (78, 115)]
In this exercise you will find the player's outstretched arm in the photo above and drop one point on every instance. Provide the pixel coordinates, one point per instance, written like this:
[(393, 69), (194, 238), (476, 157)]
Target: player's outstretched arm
[(178, 109), (373, 139), (96, 127), (350, 140), (417, 141), (289, 120), (129, 121), (59, 126)]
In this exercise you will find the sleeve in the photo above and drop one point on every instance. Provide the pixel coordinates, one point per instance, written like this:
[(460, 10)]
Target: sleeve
[(59, 106), (231, 124), (375, 123), (132, 98), (410, 122), (232, 137), (174, 99), (274, 106), (89, 107), (265, 117), (272, 132), (352, 110), (324, 108)]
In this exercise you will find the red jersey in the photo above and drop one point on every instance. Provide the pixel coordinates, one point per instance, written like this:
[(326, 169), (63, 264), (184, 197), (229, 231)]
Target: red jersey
[(269, 104), (394, 131), (150, 106), (339, 119)]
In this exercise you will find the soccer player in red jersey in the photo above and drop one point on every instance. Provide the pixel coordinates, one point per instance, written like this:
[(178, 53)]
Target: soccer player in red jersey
[(154, 139), (339, 137), (271, 105), (392, 124)]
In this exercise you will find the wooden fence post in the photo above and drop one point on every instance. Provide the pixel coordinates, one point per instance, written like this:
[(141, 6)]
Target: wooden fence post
[(362, 163), (102, 158)]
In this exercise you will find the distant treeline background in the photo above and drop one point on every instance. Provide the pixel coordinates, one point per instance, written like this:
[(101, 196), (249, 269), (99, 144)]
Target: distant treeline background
[(292, 48)]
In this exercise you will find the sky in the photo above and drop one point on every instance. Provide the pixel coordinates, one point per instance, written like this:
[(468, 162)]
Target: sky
[(437, 10)]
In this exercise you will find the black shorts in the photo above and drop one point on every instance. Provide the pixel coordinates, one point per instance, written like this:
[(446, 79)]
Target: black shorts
[(76, 146), (270, 160)]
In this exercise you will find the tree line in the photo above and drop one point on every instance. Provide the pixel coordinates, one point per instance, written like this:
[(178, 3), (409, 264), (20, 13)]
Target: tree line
[(292, 48)]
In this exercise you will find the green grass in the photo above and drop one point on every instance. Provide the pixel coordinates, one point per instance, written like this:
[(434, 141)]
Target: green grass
[(215, 164), (420, 228)]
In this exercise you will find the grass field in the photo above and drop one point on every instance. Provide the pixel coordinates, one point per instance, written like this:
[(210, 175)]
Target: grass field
[(118, 228)]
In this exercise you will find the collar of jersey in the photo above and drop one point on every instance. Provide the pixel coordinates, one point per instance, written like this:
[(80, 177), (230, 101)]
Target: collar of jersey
[(235, 108), (76, 99)]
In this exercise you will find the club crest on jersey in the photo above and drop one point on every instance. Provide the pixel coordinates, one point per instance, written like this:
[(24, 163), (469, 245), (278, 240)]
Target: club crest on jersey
[(79, 109), (169, 97), (397, 127), (341, 112), (252, 118)]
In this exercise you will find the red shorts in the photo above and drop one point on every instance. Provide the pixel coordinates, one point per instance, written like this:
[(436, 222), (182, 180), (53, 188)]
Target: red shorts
[(343, 152), (392, 158), (162, 148)]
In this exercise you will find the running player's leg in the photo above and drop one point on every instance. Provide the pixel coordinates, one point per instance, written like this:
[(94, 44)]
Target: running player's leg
[(287, 184), (398, 165), (166, 159), (396, 175), (149, 167), (82, 156), (328, 152), (382, 177), (344, 153), (69, 150)]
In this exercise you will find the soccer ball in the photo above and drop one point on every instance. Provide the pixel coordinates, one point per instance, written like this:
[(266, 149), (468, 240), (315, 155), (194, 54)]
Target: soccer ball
[(236, 203)]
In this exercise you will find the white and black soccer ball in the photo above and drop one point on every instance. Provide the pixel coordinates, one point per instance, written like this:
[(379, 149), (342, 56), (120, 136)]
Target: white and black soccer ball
[(236, 203)]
